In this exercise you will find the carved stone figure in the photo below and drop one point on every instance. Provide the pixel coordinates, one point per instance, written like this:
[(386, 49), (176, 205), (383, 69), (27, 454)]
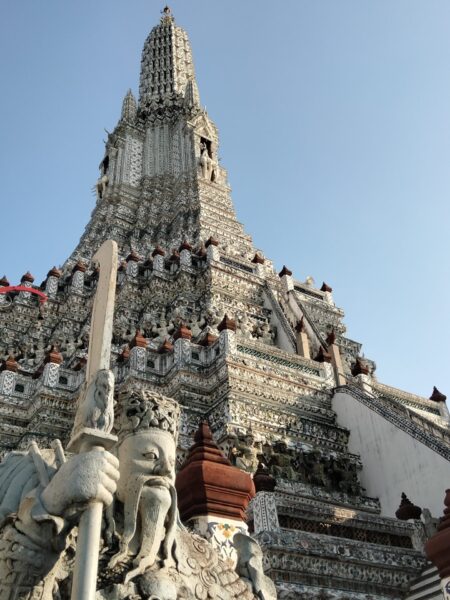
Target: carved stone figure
[(147, 552), (208, 165), (38, 508), (245, 452), (101, 186), (250, 566), (96, 409)]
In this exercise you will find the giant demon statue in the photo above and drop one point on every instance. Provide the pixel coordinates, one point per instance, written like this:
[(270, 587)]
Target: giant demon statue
[(146, 552)]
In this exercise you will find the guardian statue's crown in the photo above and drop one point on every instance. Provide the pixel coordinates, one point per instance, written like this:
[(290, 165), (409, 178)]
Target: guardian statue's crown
[(138, 410)]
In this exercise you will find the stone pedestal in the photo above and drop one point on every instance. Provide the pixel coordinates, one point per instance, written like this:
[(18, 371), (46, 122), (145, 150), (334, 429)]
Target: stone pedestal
[(220, 532)]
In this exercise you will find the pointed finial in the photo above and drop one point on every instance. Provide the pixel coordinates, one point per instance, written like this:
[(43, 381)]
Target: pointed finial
[(437, 396), (331, 338), (360, 367), (263, 480), (129, 107), (28, 277), (285, 271), (407, 510), (138, 340), (167, 16), (300, 327), (322, 356)]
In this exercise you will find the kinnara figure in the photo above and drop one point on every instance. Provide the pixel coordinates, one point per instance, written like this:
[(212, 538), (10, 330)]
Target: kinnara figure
[(147, 553)]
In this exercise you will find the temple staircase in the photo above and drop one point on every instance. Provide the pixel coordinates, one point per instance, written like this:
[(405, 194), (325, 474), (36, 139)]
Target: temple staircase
[(427, 586)]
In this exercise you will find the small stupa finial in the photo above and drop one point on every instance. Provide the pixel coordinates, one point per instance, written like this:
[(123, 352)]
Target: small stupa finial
[(167, 16)]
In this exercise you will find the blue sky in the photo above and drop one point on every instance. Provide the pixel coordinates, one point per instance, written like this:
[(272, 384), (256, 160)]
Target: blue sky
[(335, 129)]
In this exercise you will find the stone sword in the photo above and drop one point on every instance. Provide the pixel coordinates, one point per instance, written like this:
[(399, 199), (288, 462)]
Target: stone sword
[(92, 434)]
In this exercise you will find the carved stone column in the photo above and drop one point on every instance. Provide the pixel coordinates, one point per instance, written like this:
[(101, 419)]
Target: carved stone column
[(265, 515), (361, 373), (185, 254), (8, 375), (259, 260), (138, 352), (182, 345), (52, 363), (227, 339), (132, 264), (26, 281), (212, 250), (328, 296), (336, 360), (3, 283), (51, 285), (440, 399), (158, 259), (302, 339), (286, 279), (77, 282), (148, 267)]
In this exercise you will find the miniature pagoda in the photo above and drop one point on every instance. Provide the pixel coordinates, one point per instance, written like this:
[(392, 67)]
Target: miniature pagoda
[(257, 361)]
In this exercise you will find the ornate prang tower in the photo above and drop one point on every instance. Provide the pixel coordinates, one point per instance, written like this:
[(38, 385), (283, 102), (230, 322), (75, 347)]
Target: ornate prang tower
[(161, 182), (202, 316)]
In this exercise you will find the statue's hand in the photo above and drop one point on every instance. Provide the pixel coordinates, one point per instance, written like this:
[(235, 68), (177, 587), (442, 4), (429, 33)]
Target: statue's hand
[(87, 477)]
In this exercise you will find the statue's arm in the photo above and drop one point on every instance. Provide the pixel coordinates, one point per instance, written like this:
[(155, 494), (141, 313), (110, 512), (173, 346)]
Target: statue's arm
[(31, 543), (32, 540)]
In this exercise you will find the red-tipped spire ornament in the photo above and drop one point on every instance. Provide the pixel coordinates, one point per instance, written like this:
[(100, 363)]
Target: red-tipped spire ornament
[(207, 483), (437, 396)]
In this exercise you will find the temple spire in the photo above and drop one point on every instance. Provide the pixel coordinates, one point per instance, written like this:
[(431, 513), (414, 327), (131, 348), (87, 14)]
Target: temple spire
[(167, 16), (167, 70), (129, 107)]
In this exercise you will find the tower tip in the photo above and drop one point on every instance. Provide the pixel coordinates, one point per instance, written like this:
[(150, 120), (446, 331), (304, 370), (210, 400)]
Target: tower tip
[(167, 16)]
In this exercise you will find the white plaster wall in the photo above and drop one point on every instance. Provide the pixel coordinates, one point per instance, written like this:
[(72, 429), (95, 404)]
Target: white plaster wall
[(393, 461)]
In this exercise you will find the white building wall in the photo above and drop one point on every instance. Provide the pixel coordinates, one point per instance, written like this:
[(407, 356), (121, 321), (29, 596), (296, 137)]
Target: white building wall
[(393, 461)]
